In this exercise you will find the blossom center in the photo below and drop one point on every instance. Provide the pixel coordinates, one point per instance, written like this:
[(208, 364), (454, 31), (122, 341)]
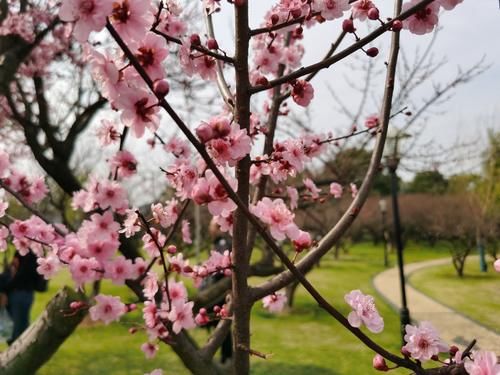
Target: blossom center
[(121, 12)]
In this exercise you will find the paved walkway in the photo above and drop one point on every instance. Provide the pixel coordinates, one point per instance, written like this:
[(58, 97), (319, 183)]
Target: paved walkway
[(453, 327)]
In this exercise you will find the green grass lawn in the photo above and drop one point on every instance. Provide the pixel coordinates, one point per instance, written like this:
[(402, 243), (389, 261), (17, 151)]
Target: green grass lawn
[(476, 295), (303, 341)]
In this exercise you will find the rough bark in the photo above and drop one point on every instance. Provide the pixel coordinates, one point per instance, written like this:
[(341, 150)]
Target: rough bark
[(42, 339)]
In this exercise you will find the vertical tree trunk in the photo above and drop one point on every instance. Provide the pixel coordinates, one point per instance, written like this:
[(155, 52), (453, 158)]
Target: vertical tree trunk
[(241, 252)]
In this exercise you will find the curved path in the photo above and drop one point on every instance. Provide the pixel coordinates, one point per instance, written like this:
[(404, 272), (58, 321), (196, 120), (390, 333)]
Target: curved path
[(454, 328)]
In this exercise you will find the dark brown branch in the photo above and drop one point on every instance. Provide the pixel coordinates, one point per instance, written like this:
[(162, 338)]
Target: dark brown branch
[(81, 122)]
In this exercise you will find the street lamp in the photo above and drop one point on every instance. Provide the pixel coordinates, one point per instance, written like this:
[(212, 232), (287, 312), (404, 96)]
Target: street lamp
[(382, 203), (392, 158)]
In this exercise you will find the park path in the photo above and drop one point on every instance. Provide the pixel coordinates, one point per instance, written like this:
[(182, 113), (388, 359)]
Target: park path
[(454, 328)]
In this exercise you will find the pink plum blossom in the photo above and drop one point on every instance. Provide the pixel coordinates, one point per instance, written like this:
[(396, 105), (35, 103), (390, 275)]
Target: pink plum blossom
[(131, 18), (149, 349), (151, 243), (84, 270), (139, 110), (110, 194), (150, 285), (484, 363), (151, 52), (423, 341), (107, 309), (336, 190), (279, 218), (274, 303), (118, 270), (181, 316), (302, 93), (302, 241), (424, 20), (364, 311), (360, 9), (312, 188), (48, 266), (372, 121), (496, 265), (90, 15), (125, 164), (332, 9), (131, 223), (108, 133)]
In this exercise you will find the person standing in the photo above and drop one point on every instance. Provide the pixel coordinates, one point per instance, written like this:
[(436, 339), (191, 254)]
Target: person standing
[(20, 282)]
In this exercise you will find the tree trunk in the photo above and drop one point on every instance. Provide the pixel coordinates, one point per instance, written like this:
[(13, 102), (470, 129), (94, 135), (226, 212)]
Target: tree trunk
[(42, 339)]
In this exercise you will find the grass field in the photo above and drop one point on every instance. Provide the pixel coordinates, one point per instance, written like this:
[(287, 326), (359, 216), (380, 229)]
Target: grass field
[(303, 341), (476, 295)]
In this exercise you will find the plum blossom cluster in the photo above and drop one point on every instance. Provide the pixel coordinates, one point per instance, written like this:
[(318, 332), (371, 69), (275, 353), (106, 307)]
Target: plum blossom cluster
[(224, 139), (31, 189), (288, 158)]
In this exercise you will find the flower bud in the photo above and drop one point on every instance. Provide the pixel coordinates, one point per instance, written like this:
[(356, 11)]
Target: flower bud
[(373, 14), (262, 81), (453, 350), (204, 132), (76, 305), (171, 249), (131, 307), (397, 25), (379, 363), (195, 40), (296, 12), (405, 352), (372, 51), (212, 44), (161, 88), (348, 26), (132, 330), (275, 19)]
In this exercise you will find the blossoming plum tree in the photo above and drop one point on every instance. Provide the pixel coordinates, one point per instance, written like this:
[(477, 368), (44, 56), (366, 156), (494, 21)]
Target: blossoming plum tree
[(130, 46)]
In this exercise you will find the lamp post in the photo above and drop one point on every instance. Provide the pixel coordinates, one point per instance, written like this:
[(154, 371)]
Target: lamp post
[(382, 203), (392, 161)]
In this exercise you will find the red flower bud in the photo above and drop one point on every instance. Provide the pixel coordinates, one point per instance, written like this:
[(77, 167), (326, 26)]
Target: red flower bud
[(379, 363), (348, 26), (372, 52), (397, 25), (171, 249), (373, 14), (453, 350), (195, 40), (161, 88), (212, 44)]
